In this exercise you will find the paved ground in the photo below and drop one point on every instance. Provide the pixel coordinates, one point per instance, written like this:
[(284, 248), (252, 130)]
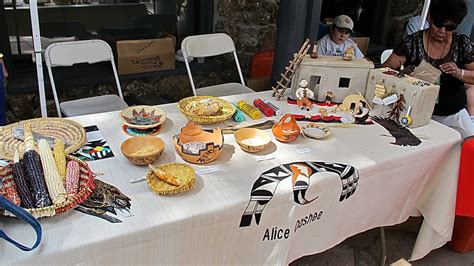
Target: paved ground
[(364, 249)]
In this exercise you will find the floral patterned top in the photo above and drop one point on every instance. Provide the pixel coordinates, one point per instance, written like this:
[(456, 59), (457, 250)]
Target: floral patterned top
[(452, 94)]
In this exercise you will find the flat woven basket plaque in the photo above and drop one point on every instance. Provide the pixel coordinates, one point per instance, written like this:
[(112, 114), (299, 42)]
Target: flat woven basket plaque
[(70, 132), (224, 114), (180, 171), (86, 186)]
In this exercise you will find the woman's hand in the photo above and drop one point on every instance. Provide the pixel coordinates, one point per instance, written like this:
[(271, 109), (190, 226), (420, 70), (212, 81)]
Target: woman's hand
[(452, 69)]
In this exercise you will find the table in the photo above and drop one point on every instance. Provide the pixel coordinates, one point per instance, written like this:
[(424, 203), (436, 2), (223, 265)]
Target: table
[(204, 225)]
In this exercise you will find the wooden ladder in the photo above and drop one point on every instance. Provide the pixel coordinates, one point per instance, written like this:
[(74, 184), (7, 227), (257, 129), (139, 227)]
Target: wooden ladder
[(282, 85)]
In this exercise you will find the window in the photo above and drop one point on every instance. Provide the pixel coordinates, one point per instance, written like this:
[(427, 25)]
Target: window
[(344, 82), (314, 81)]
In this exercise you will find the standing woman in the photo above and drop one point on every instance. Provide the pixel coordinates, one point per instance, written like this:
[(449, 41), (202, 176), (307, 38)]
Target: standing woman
[(452, 53)]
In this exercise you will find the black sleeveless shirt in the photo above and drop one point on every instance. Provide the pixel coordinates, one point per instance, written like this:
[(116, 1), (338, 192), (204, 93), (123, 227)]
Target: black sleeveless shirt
[(452, 94)]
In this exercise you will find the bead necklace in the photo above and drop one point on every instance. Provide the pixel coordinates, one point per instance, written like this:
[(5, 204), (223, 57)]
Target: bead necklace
[(433, 60)]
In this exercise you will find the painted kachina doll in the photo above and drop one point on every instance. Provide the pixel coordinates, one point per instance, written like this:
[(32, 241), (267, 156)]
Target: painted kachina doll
[(380, 92), (398, 108), (362, 115), (348, 53), (304, 96), (329, 96), (405, 71), (314, 52)]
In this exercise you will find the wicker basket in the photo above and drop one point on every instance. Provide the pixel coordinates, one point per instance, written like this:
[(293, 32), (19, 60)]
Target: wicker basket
[(70, 132), (181, 171), (226, 113), (86, 186)]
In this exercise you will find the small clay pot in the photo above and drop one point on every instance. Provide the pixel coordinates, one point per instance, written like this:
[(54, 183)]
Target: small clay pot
[(286, 130)]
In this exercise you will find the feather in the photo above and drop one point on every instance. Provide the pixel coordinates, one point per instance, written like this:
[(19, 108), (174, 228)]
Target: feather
[(106, 199), (402, 135)]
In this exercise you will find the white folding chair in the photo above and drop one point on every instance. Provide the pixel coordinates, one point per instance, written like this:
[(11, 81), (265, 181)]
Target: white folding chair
[(385, 55), (76, 52), (211, 45)]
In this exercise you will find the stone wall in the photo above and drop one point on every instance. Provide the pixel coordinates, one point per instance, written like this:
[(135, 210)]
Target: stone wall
[(400, 12), (251, 24)]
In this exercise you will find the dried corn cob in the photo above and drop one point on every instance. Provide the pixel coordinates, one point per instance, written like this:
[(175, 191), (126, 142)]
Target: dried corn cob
[(164, 176), (60, 158), (34, 171), (72, 177), (51, 175), (8, 188), (21, 183)]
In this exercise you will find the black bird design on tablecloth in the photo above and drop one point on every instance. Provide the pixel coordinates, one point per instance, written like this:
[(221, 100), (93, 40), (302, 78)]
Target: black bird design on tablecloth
[(402, 135), (264, 188)]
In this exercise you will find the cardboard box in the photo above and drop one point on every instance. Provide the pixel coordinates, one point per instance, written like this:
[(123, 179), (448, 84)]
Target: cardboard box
[(138, 56), (362, 43)]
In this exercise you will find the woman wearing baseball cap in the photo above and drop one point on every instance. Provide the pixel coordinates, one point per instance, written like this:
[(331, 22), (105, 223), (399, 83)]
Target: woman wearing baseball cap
[(337, 40)]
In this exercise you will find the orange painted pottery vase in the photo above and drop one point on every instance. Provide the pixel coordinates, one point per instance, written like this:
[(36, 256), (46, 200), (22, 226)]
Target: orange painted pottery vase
[(286, 130)]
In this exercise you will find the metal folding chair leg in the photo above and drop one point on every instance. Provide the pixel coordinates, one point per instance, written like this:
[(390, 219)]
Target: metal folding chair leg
[(383, 248)]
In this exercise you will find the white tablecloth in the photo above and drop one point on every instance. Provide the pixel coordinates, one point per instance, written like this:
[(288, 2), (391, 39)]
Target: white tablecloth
[(202, 226)]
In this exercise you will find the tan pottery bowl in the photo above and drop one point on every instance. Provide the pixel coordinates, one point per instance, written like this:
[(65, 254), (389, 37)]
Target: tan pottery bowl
[(142, 150), (252, 139)]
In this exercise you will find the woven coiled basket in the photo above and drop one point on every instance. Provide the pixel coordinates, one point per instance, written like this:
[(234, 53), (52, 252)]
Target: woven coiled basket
[(86, 186), (226, 113), (70, 132)]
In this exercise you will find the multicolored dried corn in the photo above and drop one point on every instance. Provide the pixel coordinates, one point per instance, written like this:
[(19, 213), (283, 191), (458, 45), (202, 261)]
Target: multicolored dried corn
[(8, 189), (21, 183), (72, 177), (51, 175), (34, 171), (60, 158)]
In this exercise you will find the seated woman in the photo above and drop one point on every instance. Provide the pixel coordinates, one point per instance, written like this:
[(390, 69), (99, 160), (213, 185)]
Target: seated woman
[(450, 52), (337, 41)]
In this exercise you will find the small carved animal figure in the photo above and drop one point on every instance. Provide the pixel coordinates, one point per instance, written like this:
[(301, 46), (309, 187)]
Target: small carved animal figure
[(328, 97)]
